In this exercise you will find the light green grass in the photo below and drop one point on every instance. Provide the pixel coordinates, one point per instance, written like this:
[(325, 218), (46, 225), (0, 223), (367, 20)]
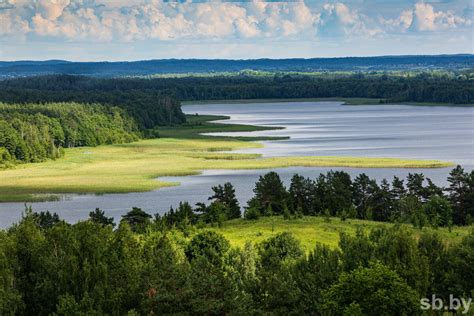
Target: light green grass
[(310, 230)]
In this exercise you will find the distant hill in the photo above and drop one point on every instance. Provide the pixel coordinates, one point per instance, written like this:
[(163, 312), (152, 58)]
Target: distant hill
[(163, 66)]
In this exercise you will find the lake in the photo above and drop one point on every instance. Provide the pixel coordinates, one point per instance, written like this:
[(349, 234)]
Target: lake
[(315, 129)]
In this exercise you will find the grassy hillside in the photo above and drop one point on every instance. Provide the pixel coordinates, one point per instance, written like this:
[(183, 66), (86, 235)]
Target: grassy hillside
[(310, 230)]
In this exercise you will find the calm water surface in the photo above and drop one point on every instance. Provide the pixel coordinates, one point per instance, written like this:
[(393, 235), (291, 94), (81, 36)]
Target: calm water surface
[(315, 128)]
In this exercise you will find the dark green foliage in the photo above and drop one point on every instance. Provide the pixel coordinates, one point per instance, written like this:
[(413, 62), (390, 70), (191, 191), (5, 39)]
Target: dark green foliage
[(45, 219), (10, 299), (375, 290), (438, 211), (148, 105), (283, 248), (164, 277), (35, 132), (226, 195), (143, 98), (313, 275), (182, 217), (98, 217), (357, 251), (302, 195), (252, 213), (338, 197), (432, 248), (270, 194), (215, 213), (90, 269), (420, 203), (461, 195), (137, 219), (458, 270), (398, 249), (210, 245)]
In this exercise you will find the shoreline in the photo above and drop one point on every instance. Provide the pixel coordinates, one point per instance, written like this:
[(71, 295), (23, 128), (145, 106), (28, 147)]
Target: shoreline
[(343, 101), (135, 167)]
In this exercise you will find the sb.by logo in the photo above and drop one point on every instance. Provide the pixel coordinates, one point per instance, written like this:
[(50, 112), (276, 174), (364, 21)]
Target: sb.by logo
[(455, 304)]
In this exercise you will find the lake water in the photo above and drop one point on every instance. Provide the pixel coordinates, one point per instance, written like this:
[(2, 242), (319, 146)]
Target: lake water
[(314, 128)]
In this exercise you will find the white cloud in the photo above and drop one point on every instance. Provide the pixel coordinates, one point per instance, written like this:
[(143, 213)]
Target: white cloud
[(51, 9), (424, 18), (339, 20), (107, 21)]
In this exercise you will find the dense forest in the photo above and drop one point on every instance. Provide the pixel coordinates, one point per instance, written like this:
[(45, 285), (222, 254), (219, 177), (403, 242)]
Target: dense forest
[(146, 100), (149, 107), (150, 67), (35, 132), (176, 264)]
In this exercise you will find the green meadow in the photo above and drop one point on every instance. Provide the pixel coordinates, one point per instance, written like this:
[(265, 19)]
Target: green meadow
[(310, 230), (134, 167)]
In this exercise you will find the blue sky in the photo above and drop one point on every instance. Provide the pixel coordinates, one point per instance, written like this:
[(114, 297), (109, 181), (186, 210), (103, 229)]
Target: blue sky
[(88, 30)]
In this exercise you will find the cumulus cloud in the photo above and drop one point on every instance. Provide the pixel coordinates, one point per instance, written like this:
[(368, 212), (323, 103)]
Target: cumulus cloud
[(424, 18), (51, 9), (99, 20)]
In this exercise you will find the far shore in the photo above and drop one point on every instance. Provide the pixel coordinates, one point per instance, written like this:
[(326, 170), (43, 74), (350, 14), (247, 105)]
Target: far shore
[(344, 101)]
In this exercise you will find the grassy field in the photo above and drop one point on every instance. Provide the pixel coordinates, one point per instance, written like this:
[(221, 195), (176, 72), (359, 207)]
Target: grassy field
[(309, 230), (134, 167)]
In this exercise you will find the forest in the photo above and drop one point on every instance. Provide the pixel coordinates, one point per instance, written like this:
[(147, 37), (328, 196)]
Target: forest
[(148, 107), (177, 264), (35, 132), (148, 99), (166, 66)]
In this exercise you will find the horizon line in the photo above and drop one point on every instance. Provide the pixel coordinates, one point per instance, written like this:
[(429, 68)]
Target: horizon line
[(234, 59)]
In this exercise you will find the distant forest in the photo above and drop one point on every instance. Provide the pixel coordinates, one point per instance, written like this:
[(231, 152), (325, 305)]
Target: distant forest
[(149, 107), (43, 114), (148, 100), (149, 67)]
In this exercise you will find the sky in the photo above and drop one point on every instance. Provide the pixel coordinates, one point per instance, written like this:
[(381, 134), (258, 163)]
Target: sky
[(97, 30)]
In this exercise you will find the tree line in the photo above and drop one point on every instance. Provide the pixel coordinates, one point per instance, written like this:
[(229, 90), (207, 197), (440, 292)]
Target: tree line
[(148, 100), (149, 107), (417, 201), (35, 132), (50, 267)]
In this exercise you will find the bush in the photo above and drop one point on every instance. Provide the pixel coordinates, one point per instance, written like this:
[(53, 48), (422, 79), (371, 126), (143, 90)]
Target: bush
[(375, 290), (208, 244), (252, 213), (279, 249)]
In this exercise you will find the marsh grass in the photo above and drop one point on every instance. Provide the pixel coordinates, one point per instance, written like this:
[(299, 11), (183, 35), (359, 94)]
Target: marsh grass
[(134, 167)]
